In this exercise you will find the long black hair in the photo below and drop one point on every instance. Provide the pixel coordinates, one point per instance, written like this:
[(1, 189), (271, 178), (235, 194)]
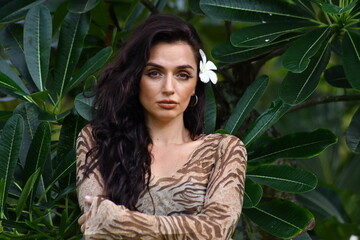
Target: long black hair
[(119, 129)]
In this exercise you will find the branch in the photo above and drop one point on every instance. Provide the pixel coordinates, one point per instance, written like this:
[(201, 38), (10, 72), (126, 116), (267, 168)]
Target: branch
[(326, 99), (150, 6)]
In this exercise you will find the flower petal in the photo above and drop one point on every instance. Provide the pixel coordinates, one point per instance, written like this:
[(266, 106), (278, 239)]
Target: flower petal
[(204, 77), (213, 77), (210, 65), (203, 56)]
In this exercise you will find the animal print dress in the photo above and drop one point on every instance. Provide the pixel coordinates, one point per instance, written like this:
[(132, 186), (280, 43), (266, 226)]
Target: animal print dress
[(201, 200)]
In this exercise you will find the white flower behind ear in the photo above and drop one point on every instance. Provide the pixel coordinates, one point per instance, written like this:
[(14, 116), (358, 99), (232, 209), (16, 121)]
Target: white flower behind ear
[(206, 69)]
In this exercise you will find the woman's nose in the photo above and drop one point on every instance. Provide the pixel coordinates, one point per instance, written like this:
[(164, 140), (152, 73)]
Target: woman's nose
[(168, 87)]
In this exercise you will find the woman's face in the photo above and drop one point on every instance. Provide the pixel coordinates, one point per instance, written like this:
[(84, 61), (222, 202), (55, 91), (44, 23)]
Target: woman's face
[(168, 81)]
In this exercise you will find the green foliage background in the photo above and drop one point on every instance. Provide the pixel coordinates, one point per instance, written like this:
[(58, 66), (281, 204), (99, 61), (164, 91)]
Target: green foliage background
[(289, 88)]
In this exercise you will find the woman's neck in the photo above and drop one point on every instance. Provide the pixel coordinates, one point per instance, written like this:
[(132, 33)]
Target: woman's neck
[(173, 132)]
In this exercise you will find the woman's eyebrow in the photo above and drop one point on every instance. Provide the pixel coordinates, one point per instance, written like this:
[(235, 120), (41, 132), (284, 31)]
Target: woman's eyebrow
[(161, 67)]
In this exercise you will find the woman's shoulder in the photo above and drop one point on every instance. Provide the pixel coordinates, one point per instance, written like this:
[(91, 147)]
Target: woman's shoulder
[(222, 138)]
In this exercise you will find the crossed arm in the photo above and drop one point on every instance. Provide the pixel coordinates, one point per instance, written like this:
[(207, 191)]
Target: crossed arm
[(103, 219)]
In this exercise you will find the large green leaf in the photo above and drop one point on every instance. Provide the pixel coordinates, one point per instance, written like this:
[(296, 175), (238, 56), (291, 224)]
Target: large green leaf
[(92, 65), (82, 6), (335, 76), (282, 219), (29, 187), (2, 197), (265, 121), (10, 80), (246, 103), (351, 58), (253, 193), (11, 38), (210, 110), (265, 33), (72, 35), (37, 43), (335, 9), (297, 56), (70, 129), (38, 154), (83, 105), (10, 143), (65, 167), (284, 178), (353, 133), (252, 10), (16, 9), (226, 52), (295, 145), (30, 114), (297, 87), (320, 204)]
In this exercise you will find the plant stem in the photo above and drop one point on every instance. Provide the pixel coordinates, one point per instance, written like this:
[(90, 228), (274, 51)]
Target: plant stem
[(150, 6), (325, 99)]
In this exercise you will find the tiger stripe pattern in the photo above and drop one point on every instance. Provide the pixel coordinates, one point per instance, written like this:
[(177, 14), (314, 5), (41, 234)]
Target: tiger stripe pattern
[(201, 200)]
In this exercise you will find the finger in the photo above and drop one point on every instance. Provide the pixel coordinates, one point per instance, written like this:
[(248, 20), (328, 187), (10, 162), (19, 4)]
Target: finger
[(82, 228), (82, 219)]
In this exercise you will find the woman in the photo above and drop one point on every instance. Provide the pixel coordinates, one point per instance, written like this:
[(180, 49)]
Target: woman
[(144, 168)]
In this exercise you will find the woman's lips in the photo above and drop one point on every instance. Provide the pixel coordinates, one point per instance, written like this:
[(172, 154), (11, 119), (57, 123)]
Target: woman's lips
[(167, 104)]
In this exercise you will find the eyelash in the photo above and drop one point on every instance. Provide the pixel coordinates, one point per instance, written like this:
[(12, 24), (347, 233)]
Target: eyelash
[(181, 75)]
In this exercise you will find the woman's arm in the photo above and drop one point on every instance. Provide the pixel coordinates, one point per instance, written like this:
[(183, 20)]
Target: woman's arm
[(93, 184), (217, 220)]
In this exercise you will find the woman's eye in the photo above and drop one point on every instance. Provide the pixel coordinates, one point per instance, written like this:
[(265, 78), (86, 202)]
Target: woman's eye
[(183, 76), (153, 74)]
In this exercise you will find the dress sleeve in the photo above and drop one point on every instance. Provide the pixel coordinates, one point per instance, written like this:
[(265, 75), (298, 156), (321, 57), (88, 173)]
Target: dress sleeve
[(93, 184), (217, 220)]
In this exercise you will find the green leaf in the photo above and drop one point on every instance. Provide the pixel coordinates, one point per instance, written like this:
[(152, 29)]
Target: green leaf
[(37, 44), (253, 193), (10, 80), (5, 115), (282, 219), (82, 6), (351, 58), (297, 56), (11, 38), (265, 121), (297, 87), (210, 110), (16, 9), (353, 133), (284, 178), (194, 6), (306, 5), (331, 8), (30, 114), (246, 103), (64, 168), (72, 35), (29, 187), (83, 105), (303, 236), (38, 154), (92, 65), (252, 10), (319, 204), (265, 33), (2, 197), (226, 52), (334, 9), (295, 145), (70, 129), (10, 143), (335, 76)]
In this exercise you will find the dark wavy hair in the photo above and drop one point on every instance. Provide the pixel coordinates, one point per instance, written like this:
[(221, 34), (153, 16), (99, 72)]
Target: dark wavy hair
[(119, 129)]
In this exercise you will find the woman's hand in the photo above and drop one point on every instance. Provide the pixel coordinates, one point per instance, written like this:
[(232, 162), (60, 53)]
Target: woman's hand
[(103, 214)]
